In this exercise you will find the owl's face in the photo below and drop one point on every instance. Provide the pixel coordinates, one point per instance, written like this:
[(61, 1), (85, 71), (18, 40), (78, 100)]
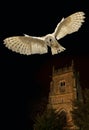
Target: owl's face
[(50, 41)]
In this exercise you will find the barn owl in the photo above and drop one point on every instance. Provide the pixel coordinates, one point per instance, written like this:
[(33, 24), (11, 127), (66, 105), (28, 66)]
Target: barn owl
[(28, 45)]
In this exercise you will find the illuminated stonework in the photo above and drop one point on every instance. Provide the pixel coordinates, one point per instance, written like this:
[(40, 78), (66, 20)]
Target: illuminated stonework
[(64, 88)]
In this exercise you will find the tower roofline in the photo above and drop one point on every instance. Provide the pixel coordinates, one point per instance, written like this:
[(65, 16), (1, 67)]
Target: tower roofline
[(63, 69)]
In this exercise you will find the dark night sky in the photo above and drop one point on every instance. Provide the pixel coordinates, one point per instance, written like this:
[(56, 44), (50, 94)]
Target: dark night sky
[(25, 79)]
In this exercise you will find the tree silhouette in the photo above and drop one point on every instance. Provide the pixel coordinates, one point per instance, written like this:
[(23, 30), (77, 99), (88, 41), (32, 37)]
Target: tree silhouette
[(80, 112), (50, 120)]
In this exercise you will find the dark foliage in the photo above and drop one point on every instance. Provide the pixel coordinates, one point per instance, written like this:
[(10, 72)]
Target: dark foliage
[(50, 120), (80, 112)]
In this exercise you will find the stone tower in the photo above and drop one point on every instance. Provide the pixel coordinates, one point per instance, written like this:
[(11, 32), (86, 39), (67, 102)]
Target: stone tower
[(64, 88)]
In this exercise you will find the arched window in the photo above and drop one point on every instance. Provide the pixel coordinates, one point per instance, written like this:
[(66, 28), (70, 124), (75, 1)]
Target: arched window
[(62, 85)]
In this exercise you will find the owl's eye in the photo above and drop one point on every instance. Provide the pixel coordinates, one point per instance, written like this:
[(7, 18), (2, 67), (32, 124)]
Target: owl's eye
[(50, 40)]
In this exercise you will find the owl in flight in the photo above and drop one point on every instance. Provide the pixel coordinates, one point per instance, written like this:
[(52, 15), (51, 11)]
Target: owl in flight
[(28, 45)]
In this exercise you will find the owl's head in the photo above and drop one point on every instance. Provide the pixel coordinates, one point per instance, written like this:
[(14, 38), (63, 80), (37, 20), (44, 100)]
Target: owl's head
[(50, 40)]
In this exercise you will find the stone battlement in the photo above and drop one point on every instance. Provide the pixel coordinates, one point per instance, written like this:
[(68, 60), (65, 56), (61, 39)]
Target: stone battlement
[(62, 70)]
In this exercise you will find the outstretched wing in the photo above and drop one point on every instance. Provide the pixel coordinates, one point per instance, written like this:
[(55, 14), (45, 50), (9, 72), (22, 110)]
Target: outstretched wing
[(26, 45), (69, 25)]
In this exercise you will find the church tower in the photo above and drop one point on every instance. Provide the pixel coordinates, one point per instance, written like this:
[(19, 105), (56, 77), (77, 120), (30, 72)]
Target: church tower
[(64, 88)]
